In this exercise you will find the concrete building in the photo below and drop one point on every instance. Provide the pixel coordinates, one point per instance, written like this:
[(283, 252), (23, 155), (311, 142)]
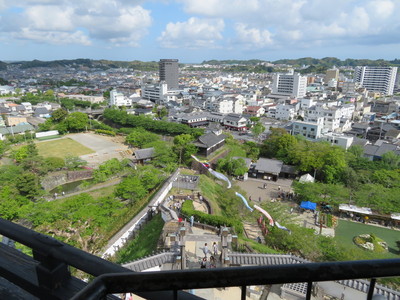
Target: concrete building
[(285, 112), (310, 130), (332, 74), (169, 72), (155, 92), (337, 139), (118, 99), (292, 85), (376, 79)]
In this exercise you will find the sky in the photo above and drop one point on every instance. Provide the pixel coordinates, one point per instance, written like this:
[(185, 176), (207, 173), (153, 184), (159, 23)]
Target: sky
[(197, 30)]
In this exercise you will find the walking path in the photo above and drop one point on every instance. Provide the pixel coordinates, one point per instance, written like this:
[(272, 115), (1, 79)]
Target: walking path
[(98, 186)]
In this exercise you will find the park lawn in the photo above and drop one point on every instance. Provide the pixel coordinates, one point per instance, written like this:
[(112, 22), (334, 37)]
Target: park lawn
[(62, 148), (346, 231)]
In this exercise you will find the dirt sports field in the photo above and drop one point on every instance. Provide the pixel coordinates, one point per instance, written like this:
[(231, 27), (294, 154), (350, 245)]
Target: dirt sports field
[(98, 148)]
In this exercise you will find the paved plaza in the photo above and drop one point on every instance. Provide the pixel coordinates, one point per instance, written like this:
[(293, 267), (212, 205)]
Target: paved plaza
[(105, 148), (255, 190)]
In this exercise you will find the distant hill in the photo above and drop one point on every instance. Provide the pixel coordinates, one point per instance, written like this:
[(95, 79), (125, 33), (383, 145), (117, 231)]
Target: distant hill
[(3, 66), (232, 62), (333, 61), (252, 65), (88, 63)]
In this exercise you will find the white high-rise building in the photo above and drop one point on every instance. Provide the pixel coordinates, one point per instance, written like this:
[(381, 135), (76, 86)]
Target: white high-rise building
[(376, 79), (292, 85)]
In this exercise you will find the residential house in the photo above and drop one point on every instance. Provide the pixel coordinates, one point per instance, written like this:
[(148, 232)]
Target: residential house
[(13, 120), (28, 107), (41, 112), (379, 132), (210, 142), (268, 169), (143, 155), (359, 130), (375, 152), (285, 112), (254, 111), (235, 122)]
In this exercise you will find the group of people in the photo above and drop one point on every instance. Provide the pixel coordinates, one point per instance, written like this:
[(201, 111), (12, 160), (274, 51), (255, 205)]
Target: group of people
[(204, 263)]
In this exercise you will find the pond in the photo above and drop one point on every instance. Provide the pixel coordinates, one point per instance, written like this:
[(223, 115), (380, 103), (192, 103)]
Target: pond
[(70, 187)]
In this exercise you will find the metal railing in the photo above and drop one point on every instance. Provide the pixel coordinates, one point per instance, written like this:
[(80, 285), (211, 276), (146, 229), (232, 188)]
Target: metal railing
[(52, 277)]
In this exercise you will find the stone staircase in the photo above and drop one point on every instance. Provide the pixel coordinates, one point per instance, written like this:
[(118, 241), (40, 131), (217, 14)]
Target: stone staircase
[(253, 231)]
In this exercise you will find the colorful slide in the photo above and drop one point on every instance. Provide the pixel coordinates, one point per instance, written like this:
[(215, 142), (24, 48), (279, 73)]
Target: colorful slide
[(271, 221), (215, 173), (244, 201)]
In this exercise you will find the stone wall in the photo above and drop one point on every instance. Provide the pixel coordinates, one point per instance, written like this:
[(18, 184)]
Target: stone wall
[(56, 179)]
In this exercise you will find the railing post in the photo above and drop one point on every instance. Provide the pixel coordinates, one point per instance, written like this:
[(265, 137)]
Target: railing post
[(50, 272), (371, 288), (309, 288), (243, 293)]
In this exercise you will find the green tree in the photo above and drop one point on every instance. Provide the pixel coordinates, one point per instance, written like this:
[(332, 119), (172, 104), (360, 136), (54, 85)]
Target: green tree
[(11, 203), (54, 163), (74, 162), (28, 185), (59, 115), (164, 156), (230, 166), (257, 129), (252, 150), (131, 188), (3, 148), (183, 147), (140, 137), (77, 121), (391, 160), (20, 153)]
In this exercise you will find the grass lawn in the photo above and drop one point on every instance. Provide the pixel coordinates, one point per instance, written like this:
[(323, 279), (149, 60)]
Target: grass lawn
[(346, 230), (144, 244), (62, 148)]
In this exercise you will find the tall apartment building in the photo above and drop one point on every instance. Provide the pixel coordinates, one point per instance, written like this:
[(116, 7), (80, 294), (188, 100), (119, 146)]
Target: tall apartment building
[(331, 74), (376, 79), (292, 85), (169, 72)]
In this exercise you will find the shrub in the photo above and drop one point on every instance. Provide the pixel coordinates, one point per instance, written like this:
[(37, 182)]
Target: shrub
[(213, 220), (106, 132)]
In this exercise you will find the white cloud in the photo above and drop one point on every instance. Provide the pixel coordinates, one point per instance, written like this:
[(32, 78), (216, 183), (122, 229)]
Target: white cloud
[(304, 23), (50, 18), (53, 37), (382, 8), (253, 37), (119, 22), (194, 33)]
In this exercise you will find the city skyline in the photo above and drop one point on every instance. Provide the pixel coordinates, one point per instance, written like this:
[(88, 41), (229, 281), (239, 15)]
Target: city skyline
[(193, 31)]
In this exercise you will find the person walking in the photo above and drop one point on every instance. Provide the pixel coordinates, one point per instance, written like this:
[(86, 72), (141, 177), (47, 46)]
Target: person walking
[(191, 221), (215, 249), (203, 263), (205, 250)]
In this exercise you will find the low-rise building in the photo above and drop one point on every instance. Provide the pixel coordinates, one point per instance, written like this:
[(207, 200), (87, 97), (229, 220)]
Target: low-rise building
[(310, 130), (235, 122)]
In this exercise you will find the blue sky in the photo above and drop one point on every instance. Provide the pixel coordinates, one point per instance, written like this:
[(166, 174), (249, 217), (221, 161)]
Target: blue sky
[(197, 30)]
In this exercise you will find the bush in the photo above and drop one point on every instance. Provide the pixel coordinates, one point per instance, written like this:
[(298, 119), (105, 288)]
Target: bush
[(106, 132), (213, 220)]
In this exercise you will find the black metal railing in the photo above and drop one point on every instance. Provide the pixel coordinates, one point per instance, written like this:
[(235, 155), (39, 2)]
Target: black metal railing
[(52, 277)]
